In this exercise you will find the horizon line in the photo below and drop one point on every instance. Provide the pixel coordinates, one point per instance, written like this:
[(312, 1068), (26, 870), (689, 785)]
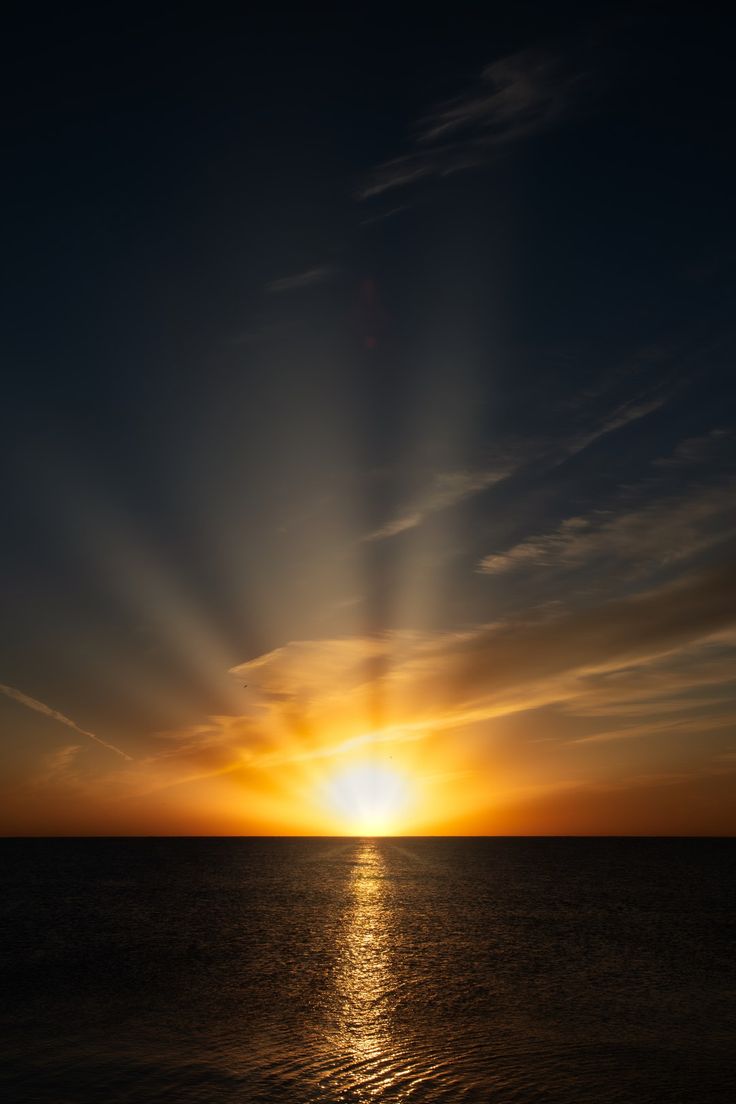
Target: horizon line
[(437, 835)]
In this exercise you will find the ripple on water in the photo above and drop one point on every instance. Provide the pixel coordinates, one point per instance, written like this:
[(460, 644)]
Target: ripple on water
[(357, 971)]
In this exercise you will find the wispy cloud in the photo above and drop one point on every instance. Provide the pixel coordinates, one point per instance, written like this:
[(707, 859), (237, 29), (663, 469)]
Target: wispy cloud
[(57, 767), (643, 668), (641, 650), (696, 450), (46, 710), (631, 411), (447, 489), (318, 275), (482, 667), (648, 537), (682, 726), (518, 96)]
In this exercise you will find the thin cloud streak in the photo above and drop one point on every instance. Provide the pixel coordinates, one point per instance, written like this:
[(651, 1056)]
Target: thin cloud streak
[(448, 489), (696, 450), (622, 416), (46, 711), (517, 97), (690, 726), (655, 534), (318, 275)]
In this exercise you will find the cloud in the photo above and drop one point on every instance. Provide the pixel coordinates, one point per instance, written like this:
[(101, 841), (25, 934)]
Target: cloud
[(615, 672), (632, 411), (604, 637), (689, 725), (398, 525), (53, 714), (447, 489), (696, 450), (517, 97), (615, 650), (383, 215), (57, 767), (319, 275), (649, 537)]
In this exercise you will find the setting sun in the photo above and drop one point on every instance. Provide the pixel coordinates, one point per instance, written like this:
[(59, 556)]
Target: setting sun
[(367, 799)]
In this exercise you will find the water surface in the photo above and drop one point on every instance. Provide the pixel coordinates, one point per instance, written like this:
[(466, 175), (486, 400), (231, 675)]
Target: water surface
[(368, 970)]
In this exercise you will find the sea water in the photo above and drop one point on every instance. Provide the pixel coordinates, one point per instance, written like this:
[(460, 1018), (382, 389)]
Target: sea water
[(359, 970)]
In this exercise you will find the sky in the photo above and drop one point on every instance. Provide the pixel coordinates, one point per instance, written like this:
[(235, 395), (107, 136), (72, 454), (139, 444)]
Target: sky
[(367, 431)]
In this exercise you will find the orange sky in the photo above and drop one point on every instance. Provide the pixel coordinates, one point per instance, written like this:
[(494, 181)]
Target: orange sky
[(591, 722)]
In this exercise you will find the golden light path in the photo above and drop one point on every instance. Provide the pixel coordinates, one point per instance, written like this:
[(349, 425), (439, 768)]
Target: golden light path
[(365, 977)]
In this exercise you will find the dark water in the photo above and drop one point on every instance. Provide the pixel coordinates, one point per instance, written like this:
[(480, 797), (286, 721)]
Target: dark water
[(360, 970)]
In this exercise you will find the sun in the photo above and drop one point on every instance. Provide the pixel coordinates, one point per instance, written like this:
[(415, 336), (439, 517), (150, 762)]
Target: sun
[(367, 799)]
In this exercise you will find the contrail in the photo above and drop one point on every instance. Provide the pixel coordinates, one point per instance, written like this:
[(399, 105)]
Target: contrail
[(39, 707)]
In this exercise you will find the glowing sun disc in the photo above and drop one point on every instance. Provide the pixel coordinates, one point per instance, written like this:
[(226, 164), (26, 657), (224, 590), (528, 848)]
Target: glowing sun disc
[(367, 798)]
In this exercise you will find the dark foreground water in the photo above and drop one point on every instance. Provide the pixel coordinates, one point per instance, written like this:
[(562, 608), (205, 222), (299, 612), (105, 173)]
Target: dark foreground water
[(361, 970)]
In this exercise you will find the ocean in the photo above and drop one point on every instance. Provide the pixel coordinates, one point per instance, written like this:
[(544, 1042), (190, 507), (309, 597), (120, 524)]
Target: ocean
[(367, 970)]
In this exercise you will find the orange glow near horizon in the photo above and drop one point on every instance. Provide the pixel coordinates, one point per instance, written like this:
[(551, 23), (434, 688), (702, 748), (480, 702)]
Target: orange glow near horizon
[(494, 730)]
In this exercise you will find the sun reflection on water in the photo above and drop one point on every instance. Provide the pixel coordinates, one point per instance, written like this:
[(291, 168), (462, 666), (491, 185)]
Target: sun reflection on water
[(364, 974)]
